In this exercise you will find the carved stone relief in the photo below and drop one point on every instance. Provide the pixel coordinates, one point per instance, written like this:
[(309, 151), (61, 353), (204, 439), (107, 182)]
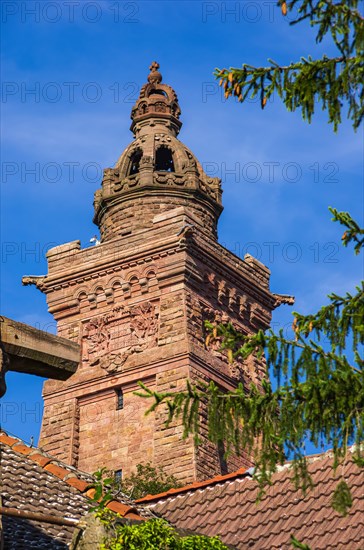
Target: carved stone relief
[(108, 340), (164, 139), (143, 326), (160, 107), (97, 337)]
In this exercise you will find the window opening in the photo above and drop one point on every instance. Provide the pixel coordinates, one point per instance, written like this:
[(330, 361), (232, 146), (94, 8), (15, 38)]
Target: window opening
[(134, 163), (118, 475), (119, 399), (164, 160), (158, 92)]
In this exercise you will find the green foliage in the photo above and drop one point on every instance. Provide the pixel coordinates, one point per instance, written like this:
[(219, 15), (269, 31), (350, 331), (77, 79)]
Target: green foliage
[(297, 544), (315, 392), (148, 481), (341, 500), (153, 534), (353, 232), (148, 535), (301, 85), (104, 489)]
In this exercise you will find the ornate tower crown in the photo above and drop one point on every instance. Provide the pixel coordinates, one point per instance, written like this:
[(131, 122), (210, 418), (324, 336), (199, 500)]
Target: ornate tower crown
[(157, 102), (156, 171)]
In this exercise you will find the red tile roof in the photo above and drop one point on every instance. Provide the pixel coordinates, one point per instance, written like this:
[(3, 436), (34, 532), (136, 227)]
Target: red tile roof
[(197, 485), (228, 508), (32, 481)]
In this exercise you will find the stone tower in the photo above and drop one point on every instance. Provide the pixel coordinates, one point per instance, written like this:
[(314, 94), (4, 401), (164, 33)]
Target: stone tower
[(137, 301)]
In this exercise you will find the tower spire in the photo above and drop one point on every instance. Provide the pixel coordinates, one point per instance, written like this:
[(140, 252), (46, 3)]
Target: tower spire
[(157, 105), (156, 168), (154, 76)]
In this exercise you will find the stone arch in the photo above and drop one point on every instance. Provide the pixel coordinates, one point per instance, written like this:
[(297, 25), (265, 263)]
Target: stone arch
[(150, 272), (124, 160), (134, 162), (133, 280), (99, 293), (97, 288), (157, 91), (115, 288), (149, 279), (164, 159), (81, 292), (81, 297), (143, 108), (132, 276), (115, 282)]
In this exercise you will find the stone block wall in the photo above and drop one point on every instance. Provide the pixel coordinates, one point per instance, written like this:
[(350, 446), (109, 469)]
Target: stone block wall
[(137, 307)]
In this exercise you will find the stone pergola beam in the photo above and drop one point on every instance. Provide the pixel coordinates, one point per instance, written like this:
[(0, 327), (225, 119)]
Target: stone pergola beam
[(32, 351)]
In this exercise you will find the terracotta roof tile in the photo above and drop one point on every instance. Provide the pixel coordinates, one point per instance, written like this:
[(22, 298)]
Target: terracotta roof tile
[(56, 470), (40, 459), (196, 485), (7, 440), (90, 493), (23, 449), (120, 508), (134, 516), (125, 511), (227, 507), (78, 484)]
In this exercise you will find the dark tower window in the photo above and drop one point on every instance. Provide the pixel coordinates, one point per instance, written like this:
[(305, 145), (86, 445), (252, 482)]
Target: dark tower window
[(118, 475), (158, 92), (119, 399), (134, 162), (164, 160)]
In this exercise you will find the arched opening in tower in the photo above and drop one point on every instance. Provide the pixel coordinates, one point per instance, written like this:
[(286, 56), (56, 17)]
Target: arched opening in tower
[(164, 160), (158, 92), (134, 162)]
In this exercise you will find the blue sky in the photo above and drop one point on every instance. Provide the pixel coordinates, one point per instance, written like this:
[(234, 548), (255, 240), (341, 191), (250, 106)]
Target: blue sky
[(71, 72)]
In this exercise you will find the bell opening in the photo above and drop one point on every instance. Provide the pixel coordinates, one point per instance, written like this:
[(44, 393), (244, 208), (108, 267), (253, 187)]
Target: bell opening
[(164, 160), (135, 162)]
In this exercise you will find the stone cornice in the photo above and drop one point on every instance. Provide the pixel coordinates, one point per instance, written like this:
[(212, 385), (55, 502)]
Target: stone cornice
[(131, 258), (106, 203), (233, 269)]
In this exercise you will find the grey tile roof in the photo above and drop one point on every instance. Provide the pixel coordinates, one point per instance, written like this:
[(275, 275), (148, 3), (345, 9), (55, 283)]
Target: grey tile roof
[(34, 482)]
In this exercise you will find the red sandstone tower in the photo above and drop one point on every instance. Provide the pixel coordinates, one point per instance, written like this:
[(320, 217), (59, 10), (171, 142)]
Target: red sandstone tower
[(137, 303)]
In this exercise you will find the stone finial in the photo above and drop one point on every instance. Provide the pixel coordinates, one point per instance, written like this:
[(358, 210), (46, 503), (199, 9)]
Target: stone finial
[(154, 76)]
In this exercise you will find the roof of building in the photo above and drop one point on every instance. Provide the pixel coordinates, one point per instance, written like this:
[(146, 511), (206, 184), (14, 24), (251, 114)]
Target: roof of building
[(34, 482), (197, 485), (228, 508)]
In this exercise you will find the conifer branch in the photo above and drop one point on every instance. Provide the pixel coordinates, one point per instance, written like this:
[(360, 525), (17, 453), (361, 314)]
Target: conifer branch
[(310, 392), (331, 81)]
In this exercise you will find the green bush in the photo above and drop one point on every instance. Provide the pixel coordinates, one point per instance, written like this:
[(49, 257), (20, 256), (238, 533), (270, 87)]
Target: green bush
[(154, 534), (148, 481)]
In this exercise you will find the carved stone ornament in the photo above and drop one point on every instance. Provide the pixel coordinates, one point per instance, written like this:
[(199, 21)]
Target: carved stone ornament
[(143, 326), (37, 280), (109, 340), (114, 362), (97, 336)]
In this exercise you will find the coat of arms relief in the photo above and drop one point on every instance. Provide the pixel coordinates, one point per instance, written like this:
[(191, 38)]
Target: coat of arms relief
[(108, 340)]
